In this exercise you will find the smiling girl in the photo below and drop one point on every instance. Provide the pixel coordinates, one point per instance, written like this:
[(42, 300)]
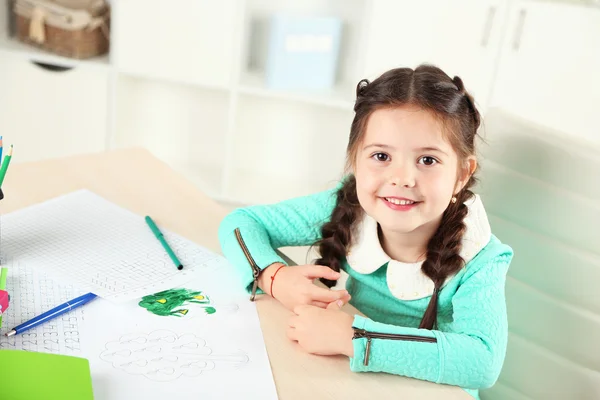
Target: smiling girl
[(423, 265)]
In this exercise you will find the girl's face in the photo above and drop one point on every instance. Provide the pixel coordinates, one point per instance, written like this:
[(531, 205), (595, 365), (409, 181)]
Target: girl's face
[(406, 171)]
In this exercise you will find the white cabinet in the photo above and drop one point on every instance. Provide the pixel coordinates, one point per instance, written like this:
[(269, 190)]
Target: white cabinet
[(462, 37), (48, 114), (189, 41), (549, 67)]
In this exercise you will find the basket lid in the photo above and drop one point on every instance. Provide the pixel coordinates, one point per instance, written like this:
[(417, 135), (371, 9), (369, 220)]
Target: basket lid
[(95, 7), (65, 14)]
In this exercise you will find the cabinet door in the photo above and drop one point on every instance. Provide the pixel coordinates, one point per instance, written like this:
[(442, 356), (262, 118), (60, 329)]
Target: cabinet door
[(461, 37), (189, 41), (48, 114), (549, 67)]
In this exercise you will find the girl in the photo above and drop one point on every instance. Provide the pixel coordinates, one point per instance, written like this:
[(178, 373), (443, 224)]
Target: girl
[(423, 264)]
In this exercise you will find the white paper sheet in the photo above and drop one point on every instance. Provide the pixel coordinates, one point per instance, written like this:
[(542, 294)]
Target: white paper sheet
[(203, 341), (33, 292), (98, 246), (135, 353)]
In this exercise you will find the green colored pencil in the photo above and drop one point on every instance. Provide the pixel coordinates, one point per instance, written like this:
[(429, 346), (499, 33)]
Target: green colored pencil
[(5, 163), (3, 276)]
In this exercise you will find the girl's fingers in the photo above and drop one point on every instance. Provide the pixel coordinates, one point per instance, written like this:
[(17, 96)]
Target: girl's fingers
[(319, 271), (327, 295)]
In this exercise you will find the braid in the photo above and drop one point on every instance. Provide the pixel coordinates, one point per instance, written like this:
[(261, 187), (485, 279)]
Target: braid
[(443, 250), (337, 233)]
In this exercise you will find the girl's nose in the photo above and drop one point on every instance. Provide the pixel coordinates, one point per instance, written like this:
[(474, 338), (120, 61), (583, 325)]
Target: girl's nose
[(403, 176)]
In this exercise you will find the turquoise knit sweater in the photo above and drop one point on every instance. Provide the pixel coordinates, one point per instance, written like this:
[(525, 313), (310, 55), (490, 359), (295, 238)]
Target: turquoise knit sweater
[(468, 347)]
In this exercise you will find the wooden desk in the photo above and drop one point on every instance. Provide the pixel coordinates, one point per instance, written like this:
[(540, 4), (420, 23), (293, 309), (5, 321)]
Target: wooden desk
[(136, 180)]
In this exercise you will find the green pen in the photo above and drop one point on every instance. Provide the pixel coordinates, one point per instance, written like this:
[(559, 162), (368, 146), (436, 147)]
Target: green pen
[(164, 243), (5, 163), (3, 276)]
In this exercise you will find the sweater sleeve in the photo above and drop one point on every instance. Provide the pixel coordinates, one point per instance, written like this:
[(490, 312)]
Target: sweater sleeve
[(469, 354), (249, 236)]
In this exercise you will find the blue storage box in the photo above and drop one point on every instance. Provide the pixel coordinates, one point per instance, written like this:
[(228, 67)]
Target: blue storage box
[(303, 52)]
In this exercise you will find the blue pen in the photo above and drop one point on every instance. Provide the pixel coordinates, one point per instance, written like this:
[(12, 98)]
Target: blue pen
[(55, 312)]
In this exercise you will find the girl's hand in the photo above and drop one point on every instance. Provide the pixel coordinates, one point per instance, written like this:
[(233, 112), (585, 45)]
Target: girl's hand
[(293, 286), (322, 331)]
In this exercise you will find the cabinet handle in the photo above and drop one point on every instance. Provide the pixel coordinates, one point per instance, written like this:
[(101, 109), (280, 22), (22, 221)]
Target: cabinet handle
[(487, 28), (51, 67), (519, 30)]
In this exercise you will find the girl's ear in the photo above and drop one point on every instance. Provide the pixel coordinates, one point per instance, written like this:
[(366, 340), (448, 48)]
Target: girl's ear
[(465, 173)]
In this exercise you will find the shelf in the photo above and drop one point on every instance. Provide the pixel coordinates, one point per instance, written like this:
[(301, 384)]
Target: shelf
[(252, 187), (341, 96), (206, 177), (13, 47), (149, 76)]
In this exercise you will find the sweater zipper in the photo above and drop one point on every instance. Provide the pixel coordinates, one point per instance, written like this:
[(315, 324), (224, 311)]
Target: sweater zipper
[(255, 268), (361, 333)]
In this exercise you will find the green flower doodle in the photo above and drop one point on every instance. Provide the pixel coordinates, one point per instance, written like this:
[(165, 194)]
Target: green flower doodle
[(166, 303)]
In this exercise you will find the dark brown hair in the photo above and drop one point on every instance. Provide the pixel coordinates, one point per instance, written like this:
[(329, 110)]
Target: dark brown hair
[(428, 88)]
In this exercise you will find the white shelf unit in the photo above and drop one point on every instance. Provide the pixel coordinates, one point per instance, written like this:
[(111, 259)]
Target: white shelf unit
[(275, 135), (219, 124), (187, 81), (340, 96)]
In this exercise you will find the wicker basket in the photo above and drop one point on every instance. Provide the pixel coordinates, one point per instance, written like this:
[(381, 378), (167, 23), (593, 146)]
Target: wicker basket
[(70, 28)]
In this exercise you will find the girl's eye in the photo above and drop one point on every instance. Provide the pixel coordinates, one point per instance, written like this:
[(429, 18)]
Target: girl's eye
[(381, 157), (426, 160)]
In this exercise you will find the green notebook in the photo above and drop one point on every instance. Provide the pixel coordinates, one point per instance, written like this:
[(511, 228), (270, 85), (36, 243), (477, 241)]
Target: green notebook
[(27, 375)]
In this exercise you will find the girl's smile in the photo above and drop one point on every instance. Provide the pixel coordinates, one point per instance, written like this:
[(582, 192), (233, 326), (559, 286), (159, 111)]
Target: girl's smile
[(400, 203)]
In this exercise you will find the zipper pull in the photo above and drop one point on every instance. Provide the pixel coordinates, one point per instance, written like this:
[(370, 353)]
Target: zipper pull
[(367, 351), (255, 270), (254, 285), (359, 334)]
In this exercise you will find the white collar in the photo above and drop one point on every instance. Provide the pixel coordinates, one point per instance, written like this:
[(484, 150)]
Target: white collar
[(406, 281)]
